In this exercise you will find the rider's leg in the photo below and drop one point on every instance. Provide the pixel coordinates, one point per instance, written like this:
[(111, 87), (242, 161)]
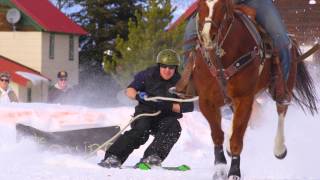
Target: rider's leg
[(269, 17), (189, 34), (189, 45), (279, 90)]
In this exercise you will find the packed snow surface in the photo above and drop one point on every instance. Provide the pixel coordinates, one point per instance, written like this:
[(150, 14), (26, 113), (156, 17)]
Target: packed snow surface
[(25, 160)]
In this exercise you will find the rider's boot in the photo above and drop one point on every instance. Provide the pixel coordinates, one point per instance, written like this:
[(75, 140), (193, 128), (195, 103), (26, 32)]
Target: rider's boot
[(281, 93), (184, 87)]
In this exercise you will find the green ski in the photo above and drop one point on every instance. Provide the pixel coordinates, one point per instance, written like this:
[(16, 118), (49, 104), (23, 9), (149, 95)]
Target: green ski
[(178, 168), (146, 166)]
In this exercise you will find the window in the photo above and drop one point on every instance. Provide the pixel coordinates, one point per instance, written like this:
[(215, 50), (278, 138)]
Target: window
[(29, 95), (71, 47), (51, 46)]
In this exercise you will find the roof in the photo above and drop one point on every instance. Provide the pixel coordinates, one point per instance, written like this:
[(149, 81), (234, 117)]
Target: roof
[(20, 74), (186, 15), (48, 16)]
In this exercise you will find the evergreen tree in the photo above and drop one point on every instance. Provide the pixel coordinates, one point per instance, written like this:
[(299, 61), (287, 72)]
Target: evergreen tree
[(147, 36), (60, 4), (104, 20)]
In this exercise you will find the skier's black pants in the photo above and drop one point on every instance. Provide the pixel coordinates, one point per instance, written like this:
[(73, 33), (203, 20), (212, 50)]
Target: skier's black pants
[(166, 131)]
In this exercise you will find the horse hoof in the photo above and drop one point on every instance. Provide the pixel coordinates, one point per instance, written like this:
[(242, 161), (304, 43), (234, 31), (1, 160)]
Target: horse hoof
[(282, 155), (220, 172), (234, 178)]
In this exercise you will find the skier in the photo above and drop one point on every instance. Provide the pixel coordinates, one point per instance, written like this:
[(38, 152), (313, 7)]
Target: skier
[(59, 91), (269, 18), (7, 95), (154, 81)]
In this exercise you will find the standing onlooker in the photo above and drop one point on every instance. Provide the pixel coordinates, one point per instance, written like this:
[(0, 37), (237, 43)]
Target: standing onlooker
[(58, 92), (7, 94)]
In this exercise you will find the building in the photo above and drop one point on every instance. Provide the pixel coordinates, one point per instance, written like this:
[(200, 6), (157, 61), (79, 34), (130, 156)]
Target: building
[(29, 84), (43, 39)]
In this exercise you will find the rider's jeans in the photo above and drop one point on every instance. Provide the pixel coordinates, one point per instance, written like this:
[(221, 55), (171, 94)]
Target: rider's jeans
[(269, 18), (190, 32)]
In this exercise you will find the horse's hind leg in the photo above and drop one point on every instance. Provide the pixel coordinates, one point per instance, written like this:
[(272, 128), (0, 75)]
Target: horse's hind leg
[(243, 108), (280, 150)]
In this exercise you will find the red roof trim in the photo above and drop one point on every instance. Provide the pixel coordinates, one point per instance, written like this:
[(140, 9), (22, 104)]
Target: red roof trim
[(186, 15), (8, 65), (48, 16)]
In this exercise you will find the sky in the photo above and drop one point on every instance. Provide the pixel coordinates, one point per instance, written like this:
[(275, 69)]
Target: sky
[(181, 6)]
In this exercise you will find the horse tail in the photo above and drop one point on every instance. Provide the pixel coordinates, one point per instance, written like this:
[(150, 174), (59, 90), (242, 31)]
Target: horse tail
[(305, 93)]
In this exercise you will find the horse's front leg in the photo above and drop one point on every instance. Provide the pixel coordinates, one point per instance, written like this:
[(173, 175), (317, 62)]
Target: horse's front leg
[(242, 112), (280, 149), (213, 115)]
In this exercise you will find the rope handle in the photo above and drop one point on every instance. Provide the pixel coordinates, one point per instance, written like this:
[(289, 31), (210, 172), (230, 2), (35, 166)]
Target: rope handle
[(109, 142), (156, 98)]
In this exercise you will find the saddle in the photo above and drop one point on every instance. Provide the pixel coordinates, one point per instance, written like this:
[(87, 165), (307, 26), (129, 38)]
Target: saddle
[(247, 15)]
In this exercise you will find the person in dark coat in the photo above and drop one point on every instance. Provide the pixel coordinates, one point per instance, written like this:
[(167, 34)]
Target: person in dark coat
[(165, 127), (58, 93)]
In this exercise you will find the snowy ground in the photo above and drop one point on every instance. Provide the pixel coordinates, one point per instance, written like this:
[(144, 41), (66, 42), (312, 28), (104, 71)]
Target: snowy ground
[(25, 160)]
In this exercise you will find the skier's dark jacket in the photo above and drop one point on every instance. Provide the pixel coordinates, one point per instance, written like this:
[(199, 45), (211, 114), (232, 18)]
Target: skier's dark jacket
[(153, 84)]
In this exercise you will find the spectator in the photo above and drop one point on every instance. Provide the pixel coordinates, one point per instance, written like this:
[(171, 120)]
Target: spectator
[(7, 94), (58, 93)]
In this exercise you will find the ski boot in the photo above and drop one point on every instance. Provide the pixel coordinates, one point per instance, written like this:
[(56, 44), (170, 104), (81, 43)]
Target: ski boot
[(148, 162), (111, 161), (152, 160)]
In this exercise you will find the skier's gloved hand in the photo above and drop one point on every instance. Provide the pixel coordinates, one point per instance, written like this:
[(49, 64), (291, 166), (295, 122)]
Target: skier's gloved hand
[(140, 96), (164, 106)]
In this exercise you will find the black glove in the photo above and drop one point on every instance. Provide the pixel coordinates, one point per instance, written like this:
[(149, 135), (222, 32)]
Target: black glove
[(164, 106)]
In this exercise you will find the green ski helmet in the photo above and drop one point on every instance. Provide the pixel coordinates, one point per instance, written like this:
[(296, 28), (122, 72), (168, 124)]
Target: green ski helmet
[(168, 57)]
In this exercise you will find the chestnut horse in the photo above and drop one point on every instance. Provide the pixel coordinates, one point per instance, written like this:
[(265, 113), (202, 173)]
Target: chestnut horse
[(223, 40)]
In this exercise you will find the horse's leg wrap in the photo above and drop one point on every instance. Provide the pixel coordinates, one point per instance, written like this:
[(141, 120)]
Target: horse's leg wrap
[(234, 171), (219, 155), (220, 164)]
